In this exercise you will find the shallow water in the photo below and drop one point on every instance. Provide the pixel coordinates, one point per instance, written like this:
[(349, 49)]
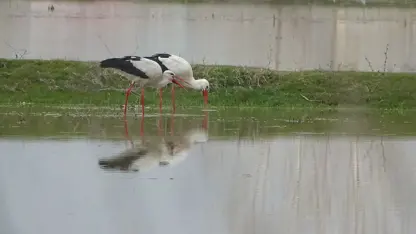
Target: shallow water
[(231, 172), (278, 37)]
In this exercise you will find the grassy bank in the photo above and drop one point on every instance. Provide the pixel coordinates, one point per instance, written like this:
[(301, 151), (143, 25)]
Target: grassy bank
[(71, 82)]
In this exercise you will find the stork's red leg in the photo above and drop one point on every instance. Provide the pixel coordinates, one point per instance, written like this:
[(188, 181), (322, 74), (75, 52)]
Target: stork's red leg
[(159, 125), (142, 120), (173, 98), (160, 100), (127, 97), (142, 101), (126, 131)]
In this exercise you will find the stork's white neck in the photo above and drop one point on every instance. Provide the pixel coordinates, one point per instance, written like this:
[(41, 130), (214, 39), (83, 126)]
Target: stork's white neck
[(194, 84), (199, 84)]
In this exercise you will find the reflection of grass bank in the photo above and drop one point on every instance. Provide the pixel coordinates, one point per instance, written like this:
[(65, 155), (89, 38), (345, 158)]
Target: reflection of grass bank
[(69, 82), (224, 123)]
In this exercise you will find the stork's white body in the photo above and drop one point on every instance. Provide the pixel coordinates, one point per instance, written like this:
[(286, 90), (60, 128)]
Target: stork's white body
[(150, 68), (178, 65), (143, 71), (182, 69)]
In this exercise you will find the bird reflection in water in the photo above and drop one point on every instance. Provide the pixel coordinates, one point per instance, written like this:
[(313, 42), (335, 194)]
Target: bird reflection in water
[(156, 151)]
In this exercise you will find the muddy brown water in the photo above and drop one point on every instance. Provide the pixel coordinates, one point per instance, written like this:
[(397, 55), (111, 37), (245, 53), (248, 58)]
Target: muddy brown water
[(278, 37), (257, 171)]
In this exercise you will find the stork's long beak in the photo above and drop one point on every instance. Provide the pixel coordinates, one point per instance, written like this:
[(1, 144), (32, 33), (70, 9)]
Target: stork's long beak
[(179, 84), (205, 94), (182, 80)]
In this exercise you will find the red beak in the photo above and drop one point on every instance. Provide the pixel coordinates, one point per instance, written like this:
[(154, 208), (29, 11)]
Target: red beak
[(176, 82), (205, 94), (182, 80)]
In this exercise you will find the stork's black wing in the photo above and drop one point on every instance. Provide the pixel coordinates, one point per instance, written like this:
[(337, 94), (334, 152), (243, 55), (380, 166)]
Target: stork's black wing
[(124, 64), (155, 57)]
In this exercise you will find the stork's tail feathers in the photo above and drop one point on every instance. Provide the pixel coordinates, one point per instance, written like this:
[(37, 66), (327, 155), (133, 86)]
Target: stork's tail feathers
[(113, 63)]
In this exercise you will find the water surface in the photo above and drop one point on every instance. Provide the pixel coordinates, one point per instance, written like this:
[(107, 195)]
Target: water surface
[(238, 172)]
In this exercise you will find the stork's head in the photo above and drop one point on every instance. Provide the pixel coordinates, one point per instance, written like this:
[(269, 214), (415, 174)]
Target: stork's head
[(172, 77), (202, 84)]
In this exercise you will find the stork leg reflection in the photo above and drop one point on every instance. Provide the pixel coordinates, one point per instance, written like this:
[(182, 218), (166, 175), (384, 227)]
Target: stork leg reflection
[(142, 129), (126, 133), (159, 125), (205, 121), (172, 124)]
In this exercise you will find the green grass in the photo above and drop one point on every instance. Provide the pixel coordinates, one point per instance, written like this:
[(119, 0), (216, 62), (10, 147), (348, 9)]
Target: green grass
[(73, 82)]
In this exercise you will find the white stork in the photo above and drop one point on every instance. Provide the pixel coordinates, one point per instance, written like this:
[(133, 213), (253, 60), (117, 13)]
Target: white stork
[(141, 70), (182, 69)]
